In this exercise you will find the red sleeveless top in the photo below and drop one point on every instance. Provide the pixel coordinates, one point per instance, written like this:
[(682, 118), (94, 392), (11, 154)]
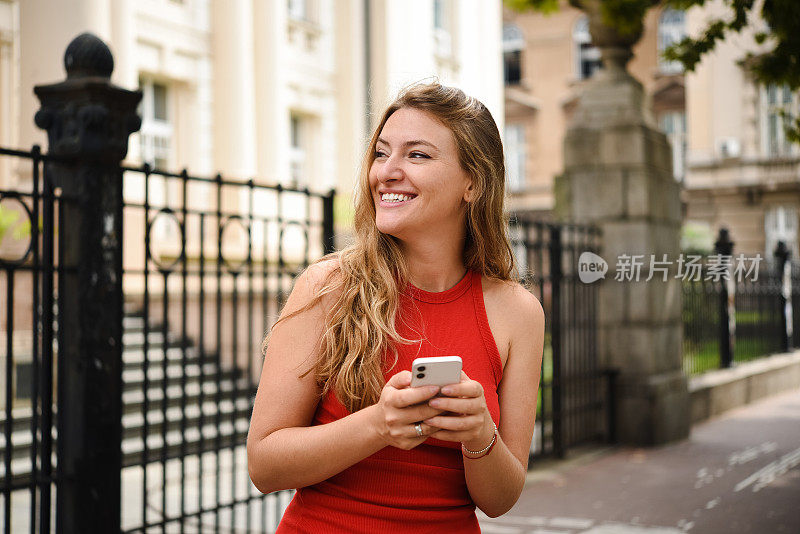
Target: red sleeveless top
[(423, 489)]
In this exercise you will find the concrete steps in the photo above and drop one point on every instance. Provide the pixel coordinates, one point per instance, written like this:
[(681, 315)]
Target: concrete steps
[(198, 406)]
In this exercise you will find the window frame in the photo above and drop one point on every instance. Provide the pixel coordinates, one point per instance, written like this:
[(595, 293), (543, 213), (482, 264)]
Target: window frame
[(584, 50), (669, 33), (774, 144), (777, 216), (513, 46), (298, 148), (516, 153), (154, 129), (677, 138), (442, 28)]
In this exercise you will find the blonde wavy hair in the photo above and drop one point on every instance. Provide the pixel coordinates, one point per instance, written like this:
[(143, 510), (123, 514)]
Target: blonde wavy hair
[(369, 274)]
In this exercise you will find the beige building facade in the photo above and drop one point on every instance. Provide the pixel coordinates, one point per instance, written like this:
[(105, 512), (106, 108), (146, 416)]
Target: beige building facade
[(278, 91), (743, 174), (282, 90), (730, 153), (547, 60)]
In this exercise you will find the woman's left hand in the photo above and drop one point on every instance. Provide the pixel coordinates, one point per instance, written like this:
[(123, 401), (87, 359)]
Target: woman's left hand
[(470, 422)]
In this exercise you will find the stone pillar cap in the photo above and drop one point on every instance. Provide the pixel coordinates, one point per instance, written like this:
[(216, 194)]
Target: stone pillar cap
[(87, 55)]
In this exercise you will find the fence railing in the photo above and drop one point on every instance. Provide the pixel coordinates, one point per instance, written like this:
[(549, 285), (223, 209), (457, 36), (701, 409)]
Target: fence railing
[(30, 268), (135, 303), (739, 316), (206, 269), (576, 401)]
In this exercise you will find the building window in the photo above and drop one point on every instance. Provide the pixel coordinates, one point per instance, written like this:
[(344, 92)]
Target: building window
[(303, 10), (156, 133), (156, 137), (778, 106), (438, 14), (297, 154), (515, 154), (673, 124), (442, 35), (513, 44), (671, 30), (780, 224), (588, 56), (297, 9)]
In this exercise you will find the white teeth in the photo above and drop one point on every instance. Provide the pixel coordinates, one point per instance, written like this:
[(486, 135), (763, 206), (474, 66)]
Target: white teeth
[(394, 197)]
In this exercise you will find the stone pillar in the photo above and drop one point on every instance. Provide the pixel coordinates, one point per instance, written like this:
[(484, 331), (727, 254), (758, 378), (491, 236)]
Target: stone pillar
[(234, 122), (618, 176), (88, 121), (272, 126)]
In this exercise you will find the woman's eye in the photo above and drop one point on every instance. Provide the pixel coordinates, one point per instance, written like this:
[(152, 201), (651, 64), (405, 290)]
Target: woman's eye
[(382, 154)]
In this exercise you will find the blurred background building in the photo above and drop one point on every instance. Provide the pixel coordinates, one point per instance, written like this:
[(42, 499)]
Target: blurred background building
[(281, 90), (729, 150), (286, 91)]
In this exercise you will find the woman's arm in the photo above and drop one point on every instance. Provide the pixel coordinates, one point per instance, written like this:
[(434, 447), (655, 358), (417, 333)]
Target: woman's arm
[(283, 451), (495, 481)]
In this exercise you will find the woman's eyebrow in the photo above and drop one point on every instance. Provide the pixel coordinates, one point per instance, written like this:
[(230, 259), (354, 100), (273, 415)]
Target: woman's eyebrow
[(411, 143)]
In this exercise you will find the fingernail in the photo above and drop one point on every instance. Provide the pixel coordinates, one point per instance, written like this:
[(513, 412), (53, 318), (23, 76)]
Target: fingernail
[(435, 402), (447, 390), (433, 389)]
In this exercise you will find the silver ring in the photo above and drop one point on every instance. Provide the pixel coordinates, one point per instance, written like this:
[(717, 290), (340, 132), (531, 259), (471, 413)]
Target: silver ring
[(418, 428)]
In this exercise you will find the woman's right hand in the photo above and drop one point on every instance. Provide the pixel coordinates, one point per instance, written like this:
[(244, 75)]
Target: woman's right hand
[(400, 407)]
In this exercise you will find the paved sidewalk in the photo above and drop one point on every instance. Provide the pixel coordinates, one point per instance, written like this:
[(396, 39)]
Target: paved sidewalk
[(736, 474)]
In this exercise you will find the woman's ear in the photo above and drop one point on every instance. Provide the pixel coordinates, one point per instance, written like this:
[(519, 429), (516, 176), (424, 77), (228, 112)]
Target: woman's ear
[(469, 193)]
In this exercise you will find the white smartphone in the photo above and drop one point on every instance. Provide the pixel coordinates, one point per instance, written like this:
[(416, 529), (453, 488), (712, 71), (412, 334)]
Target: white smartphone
[(436, 371)]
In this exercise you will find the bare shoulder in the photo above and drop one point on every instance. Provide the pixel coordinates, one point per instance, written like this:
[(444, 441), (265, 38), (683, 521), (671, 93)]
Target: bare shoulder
[(316, 274), (309, 283), (514, 315), (518, 304), (526, 304)]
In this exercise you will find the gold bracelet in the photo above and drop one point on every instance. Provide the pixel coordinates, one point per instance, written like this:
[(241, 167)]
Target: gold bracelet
[(484, 451)]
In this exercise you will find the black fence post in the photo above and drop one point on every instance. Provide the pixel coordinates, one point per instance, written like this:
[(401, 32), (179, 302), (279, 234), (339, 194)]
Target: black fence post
[(88, 121), (724, 246), (327, 223), (611, 399), (555, 339), (783, 272)]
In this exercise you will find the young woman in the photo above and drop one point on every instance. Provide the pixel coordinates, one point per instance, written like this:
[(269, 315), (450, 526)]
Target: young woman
[(430, 273)]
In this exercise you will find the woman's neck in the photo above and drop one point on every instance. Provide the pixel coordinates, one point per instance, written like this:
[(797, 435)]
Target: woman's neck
[(434, 265)]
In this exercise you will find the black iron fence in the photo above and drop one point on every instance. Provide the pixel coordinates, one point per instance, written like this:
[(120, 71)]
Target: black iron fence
[(208, 263), (30, 265), (135, 303), (576, 391), (202, 285), (737, 308)]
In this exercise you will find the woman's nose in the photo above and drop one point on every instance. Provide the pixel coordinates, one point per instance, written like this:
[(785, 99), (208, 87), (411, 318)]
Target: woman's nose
[(390, 169)]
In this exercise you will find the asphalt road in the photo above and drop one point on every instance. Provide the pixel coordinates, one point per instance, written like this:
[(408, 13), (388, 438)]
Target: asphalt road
[(736, 474)]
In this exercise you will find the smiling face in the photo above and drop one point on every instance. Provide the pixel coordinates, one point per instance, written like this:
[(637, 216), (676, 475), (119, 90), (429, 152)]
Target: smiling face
[(416, 180)]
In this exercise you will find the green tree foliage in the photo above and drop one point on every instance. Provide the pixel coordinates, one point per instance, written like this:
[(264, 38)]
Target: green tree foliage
[(777, 63), (624, 15)]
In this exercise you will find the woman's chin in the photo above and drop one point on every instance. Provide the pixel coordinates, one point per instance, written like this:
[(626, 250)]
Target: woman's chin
[(395, 230)]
